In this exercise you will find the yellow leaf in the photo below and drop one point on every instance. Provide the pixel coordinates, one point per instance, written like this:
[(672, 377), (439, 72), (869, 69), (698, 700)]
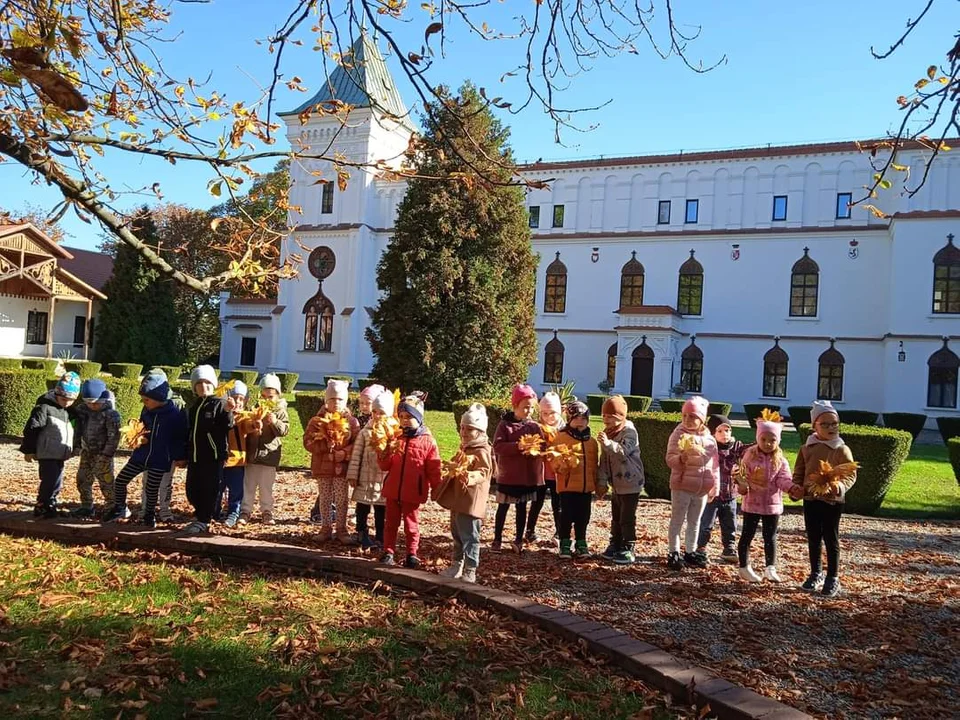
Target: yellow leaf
[(213, 115), (931, 71), (920, 83), (216, 188)]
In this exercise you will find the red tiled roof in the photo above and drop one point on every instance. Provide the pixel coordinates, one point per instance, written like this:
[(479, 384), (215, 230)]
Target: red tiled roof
[(93, 268)]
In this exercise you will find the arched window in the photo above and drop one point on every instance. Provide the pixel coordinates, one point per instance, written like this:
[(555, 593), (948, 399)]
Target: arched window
[(690, 292), (775, 371), (946, 279), (318, 323), (555, 297), (830, 375), (553, 361), (942, 378), (631, 283), (691, 367), (804, 286), (612, 365)]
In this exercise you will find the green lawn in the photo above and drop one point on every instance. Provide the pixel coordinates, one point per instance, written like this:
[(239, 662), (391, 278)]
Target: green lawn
[(924, 488), (93, 633)]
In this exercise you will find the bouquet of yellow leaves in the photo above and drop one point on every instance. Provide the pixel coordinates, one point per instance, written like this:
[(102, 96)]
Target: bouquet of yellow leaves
[(457, 468), (768, 415), (688, 443), (531, 444), (385, 432), (825, 481), (563, 457), (264, 407), (549, 432), (335, 429), (224, 388), (756, 478), (134, 434)]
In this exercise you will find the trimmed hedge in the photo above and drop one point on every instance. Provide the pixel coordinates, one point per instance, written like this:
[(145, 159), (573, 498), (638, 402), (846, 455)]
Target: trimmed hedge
[(48, 366), (949, 427), (753, 411), (364, 383), (912, 423), (130, 371), (309, 404), (288, 381), (184, 389), (595, 403), (173, 372), (127, 394), (654, 430), (86, 369), (638, 403), (11, 364), (19, 390), (248, 377), (671, 406), (720, 408), (880, 452), (798, 414), (953, 445), (859, 417), (346, 378), (496, 409)]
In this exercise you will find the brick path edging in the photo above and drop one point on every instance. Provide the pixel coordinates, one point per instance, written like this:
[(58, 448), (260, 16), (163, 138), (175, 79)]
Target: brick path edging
[(688, 683)]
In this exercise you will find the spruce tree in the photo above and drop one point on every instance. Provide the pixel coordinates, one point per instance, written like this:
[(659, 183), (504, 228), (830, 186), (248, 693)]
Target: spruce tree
[(138, 320), (456, 315)]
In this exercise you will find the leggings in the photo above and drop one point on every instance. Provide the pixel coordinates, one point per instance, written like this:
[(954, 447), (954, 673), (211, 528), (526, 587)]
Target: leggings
[(501, 520), (129, 472), (749, 529), (379, 515), (537, 505), (822, 521)]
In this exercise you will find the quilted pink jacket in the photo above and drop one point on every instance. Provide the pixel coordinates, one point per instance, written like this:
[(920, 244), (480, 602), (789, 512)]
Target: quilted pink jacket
[(692, 471), (768, 500)]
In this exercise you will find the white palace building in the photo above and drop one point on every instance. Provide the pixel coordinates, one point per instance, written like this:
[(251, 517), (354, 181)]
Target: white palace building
[(741, 274)]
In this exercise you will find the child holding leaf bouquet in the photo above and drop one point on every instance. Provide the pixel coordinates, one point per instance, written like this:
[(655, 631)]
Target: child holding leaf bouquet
[(824, 472), (551, 421), (762, 476), (272, 423), (575, 457), (329, 438), (364, 474)]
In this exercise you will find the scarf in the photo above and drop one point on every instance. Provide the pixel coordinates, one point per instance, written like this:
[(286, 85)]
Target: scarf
[(832, 444), (410, 432), (578, 434)]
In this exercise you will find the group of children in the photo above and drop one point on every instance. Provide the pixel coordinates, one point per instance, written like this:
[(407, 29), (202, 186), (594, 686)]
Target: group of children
[(387, 460)]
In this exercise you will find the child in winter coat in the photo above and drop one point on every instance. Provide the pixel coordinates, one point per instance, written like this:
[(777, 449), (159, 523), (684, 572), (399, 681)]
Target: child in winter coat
[(724, 505), (765, 475), (519, 476), (367, 396), (365, 476), (622, 468), (235, 466), (165, 493), (100, 436), (413, 470), (694, 479), (261, 471), (551, 420), (821, 512), (164, 445), (577, 485), (329, 462), (48, 438), (466, 497)]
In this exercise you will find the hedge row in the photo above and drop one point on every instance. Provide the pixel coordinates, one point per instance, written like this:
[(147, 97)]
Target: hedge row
[(288, 381), (248, 377), (912, 423), (46, 364), (949, 427), (653, 430), (953, 445), (131, 371), (310, 402), (635, 403), (673, 405), (496, 409), (19, 390)]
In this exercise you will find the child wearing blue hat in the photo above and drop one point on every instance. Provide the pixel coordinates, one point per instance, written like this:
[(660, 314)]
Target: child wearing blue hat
[(99, 437)]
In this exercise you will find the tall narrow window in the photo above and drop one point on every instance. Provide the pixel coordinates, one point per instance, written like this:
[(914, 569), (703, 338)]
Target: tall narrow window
[(830, 375), (555, 296), (553, 362), (946, 279), (326, 199), (663, 213), (36, 328), (534, 216), (843, 205), (804, 286), (779, 207), (79, 330), (693, 210), (248, 352), (631, 283), (942, 378), (775, 363), (558, 216), (690, 291), (318, 323), (612, 365), (691, 368)]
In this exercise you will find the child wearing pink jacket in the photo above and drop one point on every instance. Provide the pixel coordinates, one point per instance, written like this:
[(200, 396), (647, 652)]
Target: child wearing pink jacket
[(694, 464), (765, 476)]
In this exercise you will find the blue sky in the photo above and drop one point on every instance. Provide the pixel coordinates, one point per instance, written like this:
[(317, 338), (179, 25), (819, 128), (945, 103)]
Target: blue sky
[(796, 72)]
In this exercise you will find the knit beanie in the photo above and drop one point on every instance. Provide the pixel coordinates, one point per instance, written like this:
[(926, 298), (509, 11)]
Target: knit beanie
[(615, 406), (698, 406), (270, 382), (768, 426), (475, 417), (336, 389), (820, 407), (384, 402), (239, 389), (155, 386), (93, 389), (577, 409), (413, 406), (372, 392), (550, 402), (68, 386), (716, 421), (521, 392), (201, 373)]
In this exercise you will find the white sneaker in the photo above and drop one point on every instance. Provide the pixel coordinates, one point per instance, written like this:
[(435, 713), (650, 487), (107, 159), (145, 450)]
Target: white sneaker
[(454, 571), (749, 575), (770, 573), (469, 575)]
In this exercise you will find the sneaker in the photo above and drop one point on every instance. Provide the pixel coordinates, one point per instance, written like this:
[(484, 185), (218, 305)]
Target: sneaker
[(365, 542), (565, 552), (387, 559), (814, 582), (412, 562), (83, 513), (695, 560), (346, 538), (496, 546), (831, 587), (149, 521), (267, 518), (167, 518), (245, 518), (454, 571), (749, 575), (469, 575), (517, 547), (50, 511), (610, 553), (624, 557), (770, 573), (232, 520), (195, 528), (325, 534), (729, 555), (114, 514), (675, 561), (38, 510), (582, 549)]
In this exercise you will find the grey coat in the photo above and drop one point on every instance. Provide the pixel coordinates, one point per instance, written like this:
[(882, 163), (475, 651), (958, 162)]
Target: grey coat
[(620, 463), (270, 441), (99, 430), (48, 434)]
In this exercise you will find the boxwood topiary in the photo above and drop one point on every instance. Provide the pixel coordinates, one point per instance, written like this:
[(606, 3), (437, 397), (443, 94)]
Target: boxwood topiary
[(638, 403), (173, 372), (126, 391), (184, 390), (364, 383), (953, 445), (288, 381), (595, 403), (912, 423), (753, 411), (130, 371), (86, 369), (720, 408), (496, 409), (346, 378), (859, 417), (19, 390), (309, 404), (671, 406), (880, 452), (653, 430), (798, 414), (11, 363), (46, 364), (248, 377), (949, 427)]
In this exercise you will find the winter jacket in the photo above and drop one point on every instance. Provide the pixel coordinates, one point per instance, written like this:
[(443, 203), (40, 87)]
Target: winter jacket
[(583, 478), (413, 471), (49, 432), (167, 428), (239, 437), (731, 453), (620, 462), (469, 499), (548, 473), (767, 500), (364, 473), (270, 439), (808, 461), (209, 423), (99, 429), (517, 474), (692, 471), (322, 464)]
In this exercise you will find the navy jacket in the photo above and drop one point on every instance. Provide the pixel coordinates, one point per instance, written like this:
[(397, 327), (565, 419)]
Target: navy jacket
[(209, 425), (166, 439)]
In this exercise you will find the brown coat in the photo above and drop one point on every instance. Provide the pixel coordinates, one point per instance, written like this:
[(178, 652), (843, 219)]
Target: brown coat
[(808, 461), (472, 499), (322, 464)]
